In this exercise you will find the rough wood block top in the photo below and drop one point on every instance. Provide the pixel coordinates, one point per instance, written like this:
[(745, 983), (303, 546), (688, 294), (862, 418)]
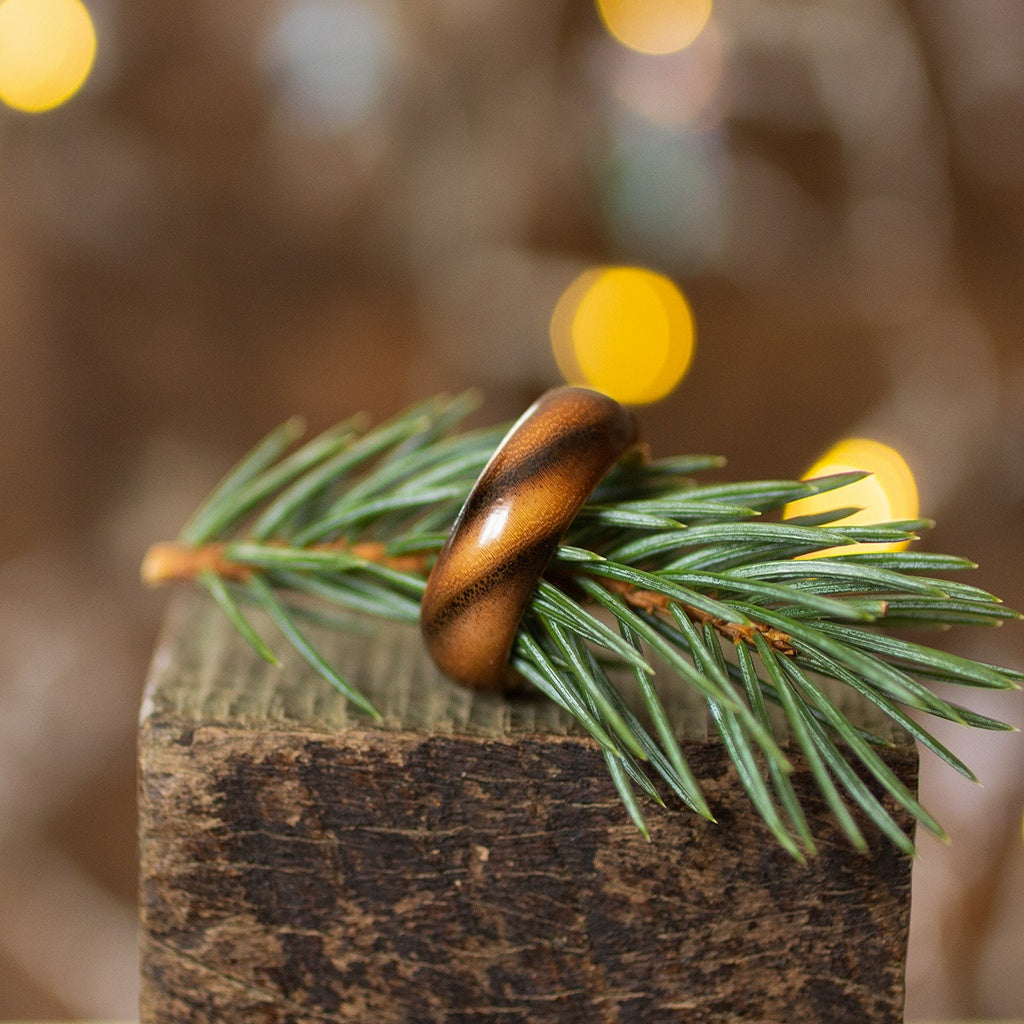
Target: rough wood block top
[(202, 672), (468, 860)]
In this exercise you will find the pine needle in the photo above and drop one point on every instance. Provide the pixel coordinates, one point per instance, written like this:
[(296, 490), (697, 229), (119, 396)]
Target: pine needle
[(706, 577)]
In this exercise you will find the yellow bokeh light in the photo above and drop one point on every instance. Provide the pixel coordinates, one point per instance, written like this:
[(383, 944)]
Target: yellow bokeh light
[(625, 331), (655, 26), (47, 48), (888, 495)]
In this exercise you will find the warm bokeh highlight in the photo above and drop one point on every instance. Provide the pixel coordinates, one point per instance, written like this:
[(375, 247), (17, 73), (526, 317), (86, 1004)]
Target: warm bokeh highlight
[(889, 494), (47, 49), (655, 26), (626, 331)]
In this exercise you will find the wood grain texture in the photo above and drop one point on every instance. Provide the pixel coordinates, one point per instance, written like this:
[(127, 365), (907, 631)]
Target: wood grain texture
[(467, 860)]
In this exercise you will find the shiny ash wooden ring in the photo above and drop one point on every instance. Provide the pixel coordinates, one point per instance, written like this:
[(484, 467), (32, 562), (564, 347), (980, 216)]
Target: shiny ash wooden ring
[(526, 497)]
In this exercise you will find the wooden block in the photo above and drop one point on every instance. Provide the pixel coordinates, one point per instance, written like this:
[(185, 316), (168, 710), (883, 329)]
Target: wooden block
[(468, 860)]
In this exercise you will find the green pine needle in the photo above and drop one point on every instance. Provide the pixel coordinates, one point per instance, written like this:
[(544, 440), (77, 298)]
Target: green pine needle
[(706, 578)]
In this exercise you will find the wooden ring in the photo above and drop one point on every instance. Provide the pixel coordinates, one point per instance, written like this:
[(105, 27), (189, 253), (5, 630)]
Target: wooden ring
[(524, 500)]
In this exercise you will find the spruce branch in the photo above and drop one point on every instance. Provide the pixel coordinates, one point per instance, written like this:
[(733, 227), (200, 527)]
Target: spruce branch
[(706, 579)]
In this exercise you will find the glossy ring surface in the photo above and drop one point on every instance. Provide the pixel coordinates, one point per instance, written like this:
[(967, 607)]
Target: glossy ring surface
[(524, 500)]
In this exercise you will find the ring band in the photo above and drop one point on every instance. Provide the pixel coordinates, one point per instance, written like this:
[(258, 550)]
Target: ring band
[(510, 526)]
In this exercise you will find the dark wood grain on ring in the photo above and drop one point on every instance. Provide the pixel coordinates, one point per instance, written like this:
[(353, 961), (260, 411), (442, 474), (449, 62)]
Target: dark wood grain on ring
[(508, 529)]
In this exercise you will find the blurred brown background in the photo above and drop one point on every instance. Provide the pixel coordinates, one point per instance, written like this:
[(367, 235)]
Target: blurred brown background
[(262, 207)]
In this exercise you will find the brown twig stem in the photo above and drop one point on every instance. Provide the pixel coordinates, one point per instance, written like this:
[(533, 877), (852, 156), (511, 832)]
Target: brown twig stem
[(738, 632), (170, 561)]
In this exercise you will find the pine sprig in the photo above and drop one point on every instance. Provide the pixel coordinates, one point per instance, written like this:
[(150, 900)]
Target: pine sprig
[(707, 579)]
